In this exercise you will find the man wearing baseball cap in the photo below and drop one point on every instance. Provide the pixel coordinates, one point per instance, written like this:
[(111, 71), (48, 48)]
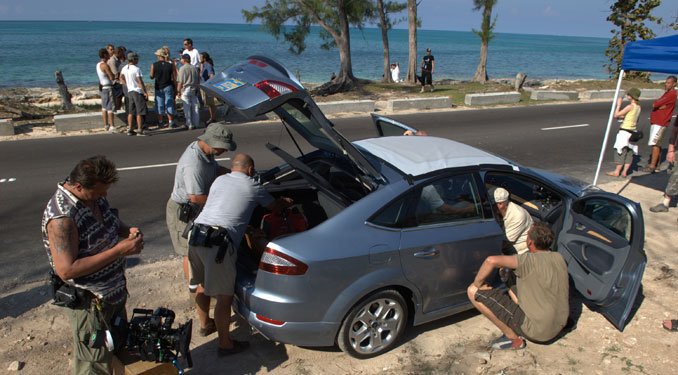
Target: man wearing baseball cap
[(515, 219), (196, 171)]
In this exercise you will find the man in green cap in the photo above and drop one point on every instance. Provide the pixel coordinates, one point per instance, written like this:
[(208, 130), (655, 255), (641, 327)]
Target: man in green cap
[(196, 171)]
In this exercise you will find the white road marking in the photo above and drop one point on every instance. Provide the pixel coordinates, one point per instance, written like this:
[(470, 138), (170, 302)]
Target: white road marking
[(11, 179), (566, 127), (158, 165)]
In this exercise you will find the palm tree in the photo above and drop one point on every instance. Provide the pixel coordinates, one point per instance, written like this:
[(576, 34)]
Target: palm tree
[(412, 32), (485, 33)]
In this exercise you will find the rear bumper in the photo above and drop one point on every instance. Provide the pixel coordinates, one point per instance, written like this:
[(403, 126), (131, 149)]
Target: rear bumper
[(295, 333)]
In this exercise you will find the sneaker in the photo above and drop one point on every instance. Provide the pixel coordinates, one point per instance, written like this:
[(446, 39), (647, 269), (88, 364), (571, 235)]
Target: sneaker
[(106, 127), (422, 89), (113, 130), (131, 132), (431, 88), (141, 133), (161, 125), (209, 329), (191, 127), (505, 343), (172, 125), (659, 208)]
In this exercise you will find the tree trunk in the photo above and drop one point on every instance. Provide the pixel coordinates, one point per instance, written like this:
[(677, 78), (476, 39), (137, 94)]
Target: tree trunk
[(412, 32), (345, 80), (481, 70), (384, 40), (63, 92)]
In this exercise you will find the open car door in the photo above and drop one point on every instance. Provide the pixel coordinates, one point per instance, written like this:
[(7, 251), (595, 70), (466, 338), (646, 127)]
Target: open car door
[(602, 242), (387, 127)]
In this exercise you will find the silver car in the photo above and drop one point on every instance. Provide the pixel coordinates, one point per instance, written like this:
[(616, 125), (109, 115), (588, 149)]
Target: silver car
[(398, 226)]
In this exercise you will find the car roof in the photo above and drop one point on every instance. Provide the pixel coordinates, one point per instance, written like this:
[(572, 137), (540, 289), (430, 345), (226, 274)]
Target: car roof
[(419, 155)]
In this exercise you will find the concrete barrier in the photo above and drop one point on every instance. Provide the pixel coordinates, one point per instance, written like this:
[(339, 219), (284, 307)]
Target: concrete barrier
[(84, 121), (419, 103), (651, 94), (492, 98), (553, 95), (330, 108), (6, 127), (599, 94)]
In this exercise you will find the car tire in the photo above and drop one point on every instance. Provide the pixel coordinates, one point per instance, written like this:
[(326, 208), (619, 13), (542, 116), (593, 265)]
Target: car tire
[(374, 325)]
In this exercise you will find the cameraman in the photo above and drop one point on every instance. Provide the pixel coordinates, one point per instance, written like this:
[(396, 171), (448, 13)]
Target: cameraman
[(196, 170), (81, 234)]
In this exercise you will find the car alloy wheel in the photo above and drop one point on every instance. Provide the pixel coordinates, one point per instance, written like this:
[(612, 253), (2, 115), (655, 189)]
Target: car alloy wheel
[(374, 325)]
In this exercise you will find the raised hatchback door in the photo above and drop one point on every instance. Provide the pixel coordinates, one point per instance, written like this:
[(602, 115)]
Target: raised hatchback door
[(387, 127), (602, 243)]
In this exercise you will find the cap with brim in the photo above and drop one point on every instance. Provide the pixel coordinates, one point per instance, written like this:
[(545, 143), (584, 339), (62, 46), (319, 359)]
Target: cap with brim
[(186, 57), (217, 135), (634, 93), (499, 195)]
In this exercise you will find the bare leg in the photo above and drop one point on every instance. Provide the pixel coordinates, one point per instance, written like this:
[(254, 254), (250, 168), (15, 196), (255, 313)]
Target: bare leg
[(104, 118), (130, 122), (489, 315), (222, 318), (187, 273), (625, 172), (111, 119), (616, 172), (140, 123), (202, 304)]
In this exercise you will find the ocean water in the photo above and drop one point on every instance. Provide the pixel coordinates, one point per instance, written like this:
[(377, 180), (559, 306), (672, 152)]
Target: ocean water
[(34, 50)]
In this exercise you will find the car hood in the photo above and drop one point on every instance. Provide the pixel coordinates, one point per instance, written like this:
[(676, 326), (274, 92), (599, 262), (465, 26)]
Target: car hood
[(260, 85)]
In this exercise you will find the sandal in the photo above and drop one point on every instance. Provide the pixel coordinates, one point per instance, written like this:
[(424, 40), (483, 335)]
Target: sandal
[(670, 325), (209, 329), (505, 343)]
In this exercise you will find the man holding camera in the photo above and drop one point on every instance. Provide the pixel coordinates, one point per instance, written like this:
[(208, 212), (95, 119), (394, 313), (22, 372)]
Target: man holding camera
[(215, 239), (196, 170), (82, 236)]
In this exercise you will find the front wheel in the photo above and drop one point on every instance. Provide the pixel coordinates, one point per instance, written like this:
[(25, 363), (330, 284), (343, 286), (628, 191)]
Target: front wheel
[(374, 325)]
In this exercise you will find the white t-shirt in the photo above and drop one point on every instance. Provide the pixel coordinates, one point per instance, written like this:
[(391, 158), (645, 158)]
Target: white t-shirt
[(131, 72), (195, 57)]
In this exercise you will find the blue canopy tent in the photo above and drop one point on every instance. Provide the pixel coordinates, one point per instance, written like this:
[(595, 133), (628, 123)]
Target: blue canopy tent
[(659, 55)]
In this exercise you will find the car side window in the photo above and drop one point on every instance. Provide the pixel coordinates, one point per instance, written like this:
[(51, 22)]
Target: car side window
[(537, 199), (450, 199), (611, 215)]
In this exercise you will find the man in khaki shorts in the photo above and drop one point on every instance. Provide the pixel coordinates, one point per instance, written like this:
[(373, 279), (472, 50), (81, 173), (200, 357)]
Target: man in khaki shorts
[(215, 238), (660, 118), (196, 170)]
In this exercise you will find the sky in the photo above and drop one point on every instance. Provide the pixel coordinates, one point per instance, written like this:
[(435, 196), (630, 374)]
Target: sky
[(549, 17)]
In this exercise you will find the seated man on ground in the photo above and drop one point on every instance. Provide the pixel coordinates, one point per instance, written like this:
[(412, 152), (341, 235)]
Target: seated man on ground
[(537, 307), (516, 221)]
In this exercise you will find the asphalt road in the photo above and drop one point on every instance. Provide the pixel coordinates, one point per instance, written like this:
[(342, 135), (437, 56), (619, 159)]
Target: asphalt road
[(523, 134)]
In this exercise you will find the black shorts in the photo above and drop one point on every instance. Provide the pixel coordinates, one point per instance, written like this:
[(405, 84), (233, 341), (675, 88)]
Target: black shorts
[(426, 78), (503, 307)]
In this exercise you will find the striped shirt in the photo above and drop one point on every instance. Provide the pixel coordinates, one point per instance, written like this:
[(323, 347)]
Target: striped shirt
[(94, 237)]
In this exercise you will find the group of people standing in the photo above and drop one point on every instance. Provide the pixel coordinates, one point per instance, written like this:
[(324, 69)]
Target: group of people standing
[(626, 140), (121, 79)]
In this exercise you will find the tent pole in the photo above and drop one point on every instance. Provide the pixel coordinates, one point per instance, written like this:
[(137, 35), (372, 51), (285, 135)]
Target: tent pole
[(609, 123)]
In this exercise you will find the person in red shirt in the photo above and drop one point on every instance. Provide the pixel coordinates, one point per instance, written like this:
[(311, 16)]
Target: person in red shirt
[(660, 118)]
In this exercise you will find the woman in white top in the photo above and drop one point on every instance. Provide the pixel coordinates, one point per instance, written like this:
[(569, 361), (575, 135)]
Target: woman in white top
[(395, 72), (624, 147)]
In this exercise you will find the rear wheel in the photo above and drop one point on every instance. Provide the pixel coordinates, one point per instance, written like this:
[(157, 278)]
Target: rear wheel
[(374, 325)]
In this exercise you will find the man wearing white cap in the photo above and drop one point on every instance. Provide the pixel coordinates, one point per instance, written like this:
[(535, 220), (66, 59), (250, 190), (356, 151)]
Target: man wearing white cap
[(516, 221)]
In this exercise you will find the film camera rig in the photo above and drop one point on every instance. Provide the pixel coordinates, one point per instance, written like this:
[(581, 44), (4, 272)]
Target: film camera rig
[(151, 337)]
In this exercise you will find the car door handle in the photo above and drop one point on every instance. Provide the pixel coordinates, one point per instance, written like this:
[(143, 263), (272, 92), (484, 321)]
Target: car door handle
[(430, 253)]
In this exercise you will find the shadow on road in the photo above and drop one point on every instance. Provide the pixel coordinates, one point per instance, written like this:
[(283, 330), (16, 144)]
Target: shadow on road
[(18, 303)]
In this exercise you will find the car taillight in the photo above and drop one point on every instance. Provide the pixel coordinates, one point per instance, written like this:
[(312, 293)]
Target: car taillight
[(269, 320), (274, 88), (278, 263)]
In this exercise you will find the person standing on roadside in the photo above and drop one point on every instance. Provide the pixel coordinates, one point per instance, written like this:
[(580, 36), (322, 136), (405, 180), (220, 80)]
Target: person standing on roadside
[(195, 173), (660, 118), (624, 146), (428, 65), (106, 90), (115, 62), (165, 79), (192, 52), (207, 72), (672, 184), (188, 83), (216, 236), (87, 246), (136, 94), (536, 307)]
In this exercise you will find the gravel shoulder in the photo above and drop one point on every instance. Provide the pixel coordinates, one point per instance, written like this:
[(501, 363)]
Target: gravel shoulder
[(36, 333)]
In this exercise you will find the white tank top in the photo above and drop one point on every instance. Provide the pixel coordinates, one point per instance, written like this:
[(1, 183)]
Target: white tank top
[(103, 78)]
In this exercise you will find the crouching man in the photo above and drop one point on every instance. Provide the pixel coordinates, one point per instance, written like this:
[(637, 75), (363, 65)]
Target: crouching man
[(87, 246), (536, 307)]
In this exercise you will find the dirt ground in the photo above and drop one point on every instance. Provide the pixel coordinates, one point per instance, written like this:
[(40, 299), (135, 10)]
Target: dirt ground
[(36, 333)]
